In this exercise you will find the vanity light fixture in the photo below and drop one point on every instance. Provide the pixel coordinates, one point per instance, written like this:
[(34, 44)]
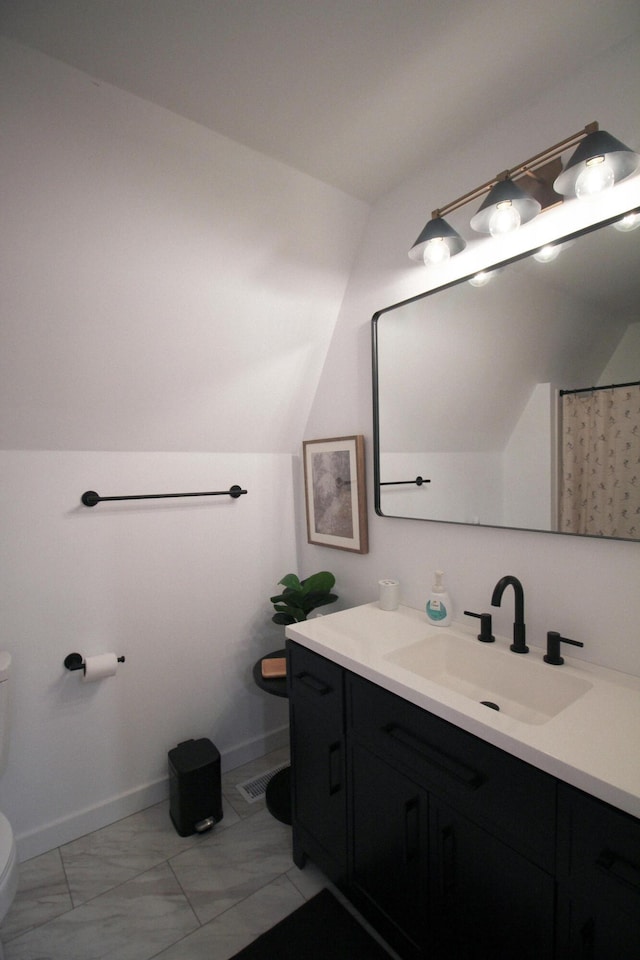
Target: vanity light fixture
[(505, 207), (599, 161), (437, 242)]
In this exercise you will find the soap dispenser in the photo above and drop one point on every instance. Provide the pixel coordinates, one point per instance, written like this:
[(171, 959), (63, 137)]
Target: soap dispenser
[(439, 603)]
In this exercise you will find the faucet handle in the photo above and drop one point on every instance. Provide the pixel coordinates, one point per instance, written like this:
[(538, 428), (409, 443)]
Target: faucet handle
[(485, 635), (553, 647)]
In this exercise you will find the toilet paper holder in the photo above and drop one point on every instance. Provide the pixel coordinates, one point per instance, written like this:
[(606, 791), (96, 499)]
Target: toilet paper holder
[(75, 661)]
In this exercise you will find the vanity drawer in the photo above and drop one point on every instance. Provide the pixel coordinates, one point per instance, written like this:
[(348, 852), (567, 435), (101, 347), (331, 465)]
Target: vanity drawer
[(315, 677), (499, 792)]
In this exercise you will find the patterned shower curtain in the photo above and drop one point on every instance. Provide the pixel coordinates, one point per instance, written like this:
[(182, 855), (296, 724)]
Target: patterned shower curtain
[(600, 462)]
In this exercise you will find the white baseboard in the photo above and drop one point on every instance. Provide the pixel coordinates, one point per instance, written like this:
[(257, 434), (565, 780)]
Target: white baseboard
[(80, 822), (253, 749), (77, 824)]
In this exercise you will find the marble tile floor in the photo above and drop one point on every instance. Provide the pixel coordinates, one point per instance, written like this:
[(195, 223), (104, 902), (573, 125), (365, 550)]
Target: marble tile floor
[(135, 890)]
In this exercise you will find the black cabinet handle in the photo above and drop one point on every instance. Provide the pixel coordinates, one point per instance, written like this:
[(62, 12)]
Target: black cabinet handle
[(335, 768), (312, 683), (619, 868), (411, 829), (464, 775), (448, 861), (587, 940)]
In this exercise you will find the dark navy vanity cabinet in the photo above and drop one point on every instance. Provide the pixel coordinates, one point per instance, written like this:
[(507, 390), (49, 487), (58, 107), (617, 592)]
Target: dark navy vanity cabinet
[(449, 846)]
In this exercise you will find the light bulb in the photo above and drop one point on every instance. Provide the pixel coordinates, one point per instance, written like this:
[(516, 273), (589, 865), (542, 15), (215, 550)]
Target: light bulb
[(596, 177), (436, 250), (480, 279), (630, 222), (504, 219), (547, 253)]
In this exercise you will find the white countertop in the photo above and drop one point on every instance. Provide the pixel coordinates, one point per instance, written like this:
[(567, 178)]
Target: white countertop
[(593, 743)]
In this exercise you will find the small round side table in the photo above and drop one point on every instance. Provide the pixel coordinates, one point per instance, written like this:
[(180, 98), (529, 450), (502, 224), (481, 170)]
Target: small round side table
[(278, 792)]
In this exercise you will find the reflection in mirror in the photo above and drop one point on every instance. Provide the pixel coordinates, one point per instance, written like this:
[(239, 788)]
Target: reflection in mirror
[(480, 390)]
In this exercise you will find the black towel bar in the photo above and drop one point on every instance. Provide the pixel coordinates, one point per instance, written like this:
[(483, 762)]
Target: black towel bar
[(90, 497), (395, 483)]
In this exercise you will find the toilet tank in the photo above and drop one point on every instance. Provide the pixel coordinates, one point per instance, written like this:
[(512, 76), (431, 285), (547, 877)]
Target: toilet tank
[(5, 666)]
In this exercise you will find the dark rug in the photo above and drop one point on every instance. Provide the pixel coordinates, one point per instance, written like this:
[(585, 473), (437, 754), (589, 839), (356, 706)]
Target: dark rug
[(318, 930)]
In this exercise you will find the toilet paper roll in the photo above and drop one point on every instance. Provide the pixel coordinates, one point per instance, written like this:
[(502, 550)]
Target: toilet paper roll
[(97, 668), (389, 594)]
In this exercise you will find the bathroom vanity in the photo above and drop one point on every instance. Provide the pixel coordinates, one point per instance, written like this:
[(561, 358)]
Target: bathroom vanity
[(457, 829)]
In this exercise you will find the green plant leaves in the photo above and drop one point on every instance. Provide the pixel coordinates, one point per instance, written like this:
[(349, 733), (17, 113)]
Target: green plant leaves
[(318, 582), (291, 581), (300, 597)]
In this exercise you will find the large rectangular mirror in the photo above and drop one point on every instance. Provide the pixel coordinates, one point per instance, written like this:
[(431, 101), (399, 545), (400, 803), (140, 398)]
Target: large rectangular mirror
[(486, 394)]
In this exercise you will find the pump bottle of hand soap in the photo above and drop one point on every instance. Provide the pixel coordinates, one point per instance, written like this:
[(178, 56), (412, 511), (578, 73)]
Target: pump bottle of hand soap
[(439, 603)]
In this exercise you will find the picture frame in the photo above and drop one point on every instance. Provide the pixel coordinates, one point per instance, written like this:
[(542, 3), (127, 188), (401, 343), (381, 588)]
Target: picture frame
[(335, 493)]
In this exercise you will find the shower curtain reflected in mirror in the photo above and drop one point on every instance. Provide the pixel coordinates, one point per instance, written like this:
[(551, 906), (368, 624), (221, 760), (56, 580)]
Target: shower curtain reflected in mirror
[(600, 462)]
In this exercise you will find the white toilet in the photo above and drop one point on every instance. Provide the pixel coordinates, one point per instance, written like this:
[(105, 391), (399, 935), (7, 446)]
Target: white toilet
[(8, 856)]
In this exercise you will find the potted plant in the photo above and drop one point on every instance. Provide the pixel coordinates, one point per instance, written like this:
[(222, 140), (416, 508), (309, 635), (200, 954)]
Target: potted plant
[(300, 597)]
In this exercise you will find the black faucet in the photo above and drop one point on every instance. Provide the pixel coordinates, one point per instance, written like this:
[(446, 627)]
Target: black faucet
[(518, 645)]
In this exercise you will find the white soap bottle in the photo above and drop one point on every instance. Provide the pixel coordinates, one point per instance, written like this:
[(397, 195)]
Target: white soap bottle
[(439, 603)]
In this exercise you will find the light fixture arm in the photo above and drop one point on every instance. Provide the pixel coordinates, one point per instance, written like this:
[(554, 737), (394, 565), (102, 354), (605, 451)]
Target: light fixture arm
[(528, 165), (597, 162)]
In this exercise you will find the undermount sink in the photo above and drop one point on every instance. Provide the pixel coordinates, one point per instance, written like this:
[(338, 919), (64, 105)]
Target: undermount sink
[(522, 688)]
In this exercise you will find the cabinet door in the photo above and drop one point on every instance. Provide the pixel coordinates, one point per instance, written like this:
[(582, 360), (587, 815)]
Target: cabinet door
[(487, 900), (318, 766), (599, 872), (389, 850), (590, 930)]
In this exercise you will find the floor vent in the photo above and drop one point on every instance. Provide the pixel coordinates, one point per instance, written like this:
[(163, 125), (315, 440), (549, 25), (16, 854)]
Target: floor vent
[(253, 790)]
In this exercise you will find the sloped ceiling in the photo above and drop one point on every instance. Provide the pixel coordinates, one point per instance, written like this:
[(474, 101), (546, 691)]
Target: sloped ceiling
[(160, 287), (360, 94)]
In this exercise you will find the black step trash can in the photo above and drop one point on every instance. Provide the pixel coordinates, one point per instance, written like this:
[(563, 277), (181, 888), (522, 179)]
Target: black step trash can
[(195, 791)]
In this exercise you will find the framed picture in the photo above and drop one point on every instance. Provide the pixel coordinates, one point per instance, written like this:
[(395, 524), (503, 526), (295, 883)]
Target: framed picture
[(335, 494)]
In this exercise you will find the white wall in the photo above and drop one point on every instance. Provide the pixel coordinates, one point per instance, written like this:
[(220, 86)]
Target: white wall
[(623, 365), (530, 465), (463, 486), (180, 588), (586, 589), (167, 300)]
